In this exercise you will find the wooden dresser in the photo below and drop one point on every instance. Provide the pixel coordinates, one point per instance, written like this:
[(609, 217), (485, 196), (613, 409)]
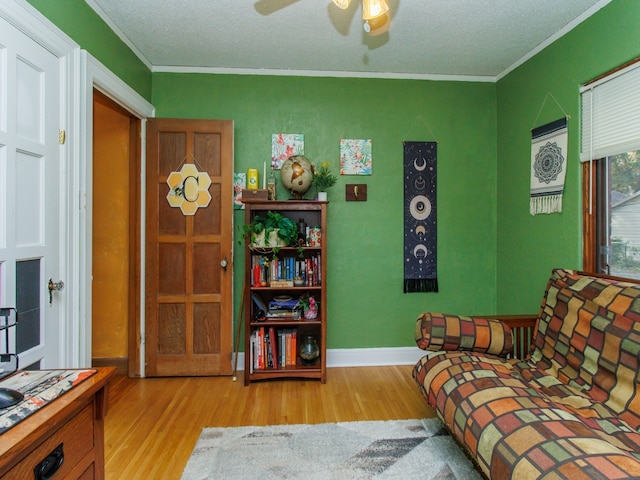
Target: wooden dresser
[(72, 426)]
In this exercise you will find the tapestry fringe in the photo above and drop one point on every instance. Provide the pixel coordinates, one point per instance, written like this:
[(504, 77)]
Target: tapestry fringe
[(420, 285), (546, 204)]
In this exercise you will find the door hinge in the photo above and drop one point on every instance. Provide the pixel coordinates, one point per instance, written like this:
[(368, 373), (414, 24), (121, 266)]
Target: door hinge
[(62, 135)]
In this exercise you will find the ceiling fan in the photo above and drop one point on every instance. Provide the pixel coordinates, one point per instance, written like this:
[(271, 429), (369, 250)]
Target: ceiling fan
[(375, 15)]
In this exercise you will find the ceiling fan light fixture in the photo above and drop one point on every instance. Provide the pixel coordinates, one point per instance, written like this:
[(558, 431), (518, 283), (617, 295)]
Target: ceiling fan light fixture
[(373, 9), (343, 4), (377, 26)]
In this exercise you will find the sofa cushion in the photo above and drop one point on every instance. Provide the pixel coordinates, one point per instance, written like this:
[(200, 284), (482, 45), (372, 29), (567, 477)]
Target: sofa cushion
[(520, 422), (439, 331), (588, 336)]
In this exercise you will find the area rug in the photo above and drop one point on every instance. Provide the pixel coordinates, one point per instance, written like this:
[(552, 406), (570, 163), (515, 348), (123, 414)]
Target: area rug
[(402, 449)]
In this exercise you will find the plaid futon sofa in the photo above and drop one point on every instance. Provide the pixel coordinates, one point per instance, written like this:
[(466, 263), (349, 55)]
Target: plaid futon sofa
[(570, 410)]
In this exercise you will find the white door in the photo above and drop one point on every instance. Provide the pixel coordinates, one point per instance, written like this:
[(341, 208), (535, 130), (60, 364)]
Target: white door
[(31, 200)]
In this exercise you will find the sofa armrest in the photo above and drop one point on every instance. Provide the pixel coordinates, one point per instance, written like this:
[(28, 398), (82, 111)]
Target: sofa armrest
[(439, 331), (522, 327), (528, 320)]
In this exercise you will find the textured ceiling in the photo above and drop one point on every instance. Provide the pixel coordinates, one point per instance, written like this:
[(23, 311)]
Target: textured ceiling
[(458, 39)]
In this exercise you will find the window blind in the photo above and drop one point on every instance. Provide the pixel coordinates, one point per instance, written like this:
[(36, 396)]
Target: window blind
[(611, 114)]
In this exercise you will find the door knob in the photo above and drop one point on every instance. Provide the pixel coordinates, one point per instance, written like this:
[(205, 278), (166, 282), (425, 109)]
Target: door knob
[(54, 286), (223, 264)]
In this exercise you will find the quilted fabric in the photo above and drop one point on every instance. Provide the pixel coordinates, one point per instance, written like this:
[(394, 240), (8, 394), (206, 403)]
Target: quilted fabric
[(526, 429), (589, 337), (570, 411), (439, 331)]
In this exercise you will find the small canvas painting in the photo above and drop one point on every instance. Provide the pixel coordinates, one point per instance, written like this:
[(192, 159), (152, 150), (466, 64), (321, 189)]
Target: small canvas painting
[(284, 145), (239, 182), (355, 157)]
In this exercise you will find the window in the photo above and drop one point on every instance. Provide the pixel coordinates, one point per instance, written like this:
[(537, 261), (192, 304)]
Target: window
[(611, 173), (616, 248)]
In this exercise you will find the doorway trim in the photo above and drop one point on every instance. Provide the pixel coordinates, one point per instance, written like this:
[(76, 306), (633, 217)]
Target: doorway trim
[(82, 73), (95, 75)]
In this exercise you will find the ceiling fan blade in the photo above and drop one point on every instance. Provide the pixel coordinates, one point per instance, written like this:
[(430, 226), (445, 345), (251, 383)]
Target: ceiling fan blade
[(267, 7), (342, 19)]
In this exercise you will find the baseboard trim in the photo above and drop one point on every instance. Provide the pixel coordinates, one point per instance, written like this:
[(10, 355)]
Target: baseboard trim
[(121, 363), (365, 357)]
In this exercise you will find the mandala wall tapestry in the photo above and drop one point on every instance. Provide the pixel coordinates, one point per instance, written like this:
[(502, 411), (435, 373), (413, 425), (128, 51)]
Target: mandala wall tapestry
[(548, 167), (420, 239)]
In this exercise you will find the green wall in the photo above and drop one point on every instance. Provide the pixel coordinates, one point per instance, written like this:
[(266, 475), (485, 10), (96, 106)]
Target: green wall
[(87, 29), (493, 255), (528, 247), (365, 240)]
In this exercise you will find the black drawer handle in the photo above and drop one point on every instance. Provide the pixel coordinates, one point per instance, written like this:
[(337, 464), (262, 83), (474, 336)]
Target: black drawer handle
[(48, 467)]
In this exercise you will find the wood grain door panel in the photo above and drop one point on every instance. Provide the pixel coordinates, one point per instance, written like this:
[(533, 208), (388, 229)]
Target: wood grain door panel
[(189, 295)]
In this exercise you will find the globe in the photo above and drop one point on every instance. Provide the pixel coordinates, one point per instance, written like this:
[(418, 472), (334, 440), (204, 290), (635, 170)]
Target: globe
[(296, 174)]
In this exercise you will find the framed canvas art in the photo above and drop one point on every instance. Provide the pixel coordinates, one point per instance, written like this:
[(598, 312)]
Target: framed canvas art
[(355, 157), (239, 182), (284, 145)]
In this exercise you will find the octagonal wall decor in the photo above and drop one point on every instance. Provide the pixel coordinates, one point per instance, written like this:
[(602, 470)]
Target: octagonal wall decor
[(189, 189)]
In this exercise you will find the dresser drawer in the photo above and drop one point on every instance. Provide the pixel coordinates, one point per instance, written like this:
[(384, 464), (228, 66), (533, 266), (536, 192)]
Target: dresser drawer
[(77, 440), (88, 474)]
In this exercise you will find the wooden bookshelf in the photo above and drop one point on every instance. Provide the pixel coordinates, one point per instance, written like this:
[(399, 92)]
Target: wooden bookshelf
[(312, 259)]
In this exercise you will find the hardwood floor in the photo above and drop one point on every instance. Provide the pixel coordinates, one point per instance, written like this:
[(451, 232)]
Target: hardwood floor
[(152, 424)]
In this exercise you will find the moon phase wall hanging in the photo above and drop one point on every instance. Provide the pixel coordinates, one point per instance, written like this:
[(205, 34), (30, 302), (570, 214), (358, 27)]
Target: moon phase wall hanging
[(420, 226)]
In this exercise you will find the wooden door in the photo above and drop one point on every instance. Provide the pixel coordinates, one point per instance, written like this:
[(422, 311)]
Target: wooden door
[(189, 300)]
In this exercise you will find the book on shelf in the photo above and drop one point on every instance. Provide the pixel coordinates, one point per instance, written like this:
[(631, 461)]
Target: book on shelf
[(285, 314), (291, 352), (280, 272), (281, 283), (272, 348), (259, 302), (255, 349), (283, 302)]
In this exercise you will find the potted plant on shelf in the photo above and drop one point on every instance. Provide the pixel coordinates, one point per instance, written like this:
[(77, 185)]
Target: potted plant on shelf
[(271, 230), (323, 179), (308, 306)]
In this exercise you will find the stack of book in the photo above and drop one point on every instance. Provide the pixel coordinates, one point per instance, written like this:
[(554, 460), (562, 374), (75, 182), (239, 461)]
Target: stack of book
[(284, 307), (280, 308)]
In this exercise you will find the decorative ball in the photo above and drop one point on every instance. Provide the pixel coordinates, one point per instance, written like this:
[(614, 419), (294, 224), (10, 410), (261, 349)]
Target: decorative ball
[(296, 174)]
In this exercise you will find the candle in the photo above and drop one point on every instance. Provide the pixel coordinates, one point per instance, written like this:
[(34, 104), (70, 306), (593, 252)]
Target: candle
[(264, 176), (252, 179)]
